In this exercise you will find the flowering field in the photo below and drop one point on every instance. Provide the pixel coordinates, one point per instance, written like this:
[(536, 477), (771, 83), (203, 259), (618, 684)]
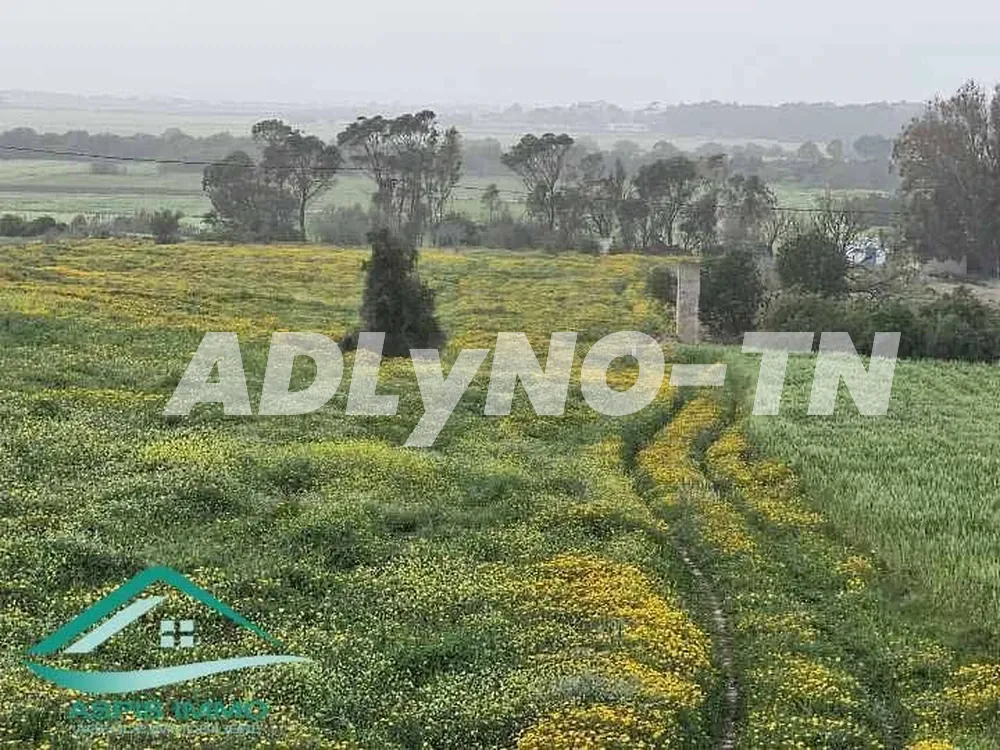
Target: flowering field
[(575, 582)]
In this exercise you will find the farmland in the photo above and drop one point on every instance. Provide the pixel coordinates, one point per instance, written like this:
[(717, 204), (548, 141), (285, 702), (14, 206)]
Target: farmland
[(530, 582), (919, 486), (63, 189)]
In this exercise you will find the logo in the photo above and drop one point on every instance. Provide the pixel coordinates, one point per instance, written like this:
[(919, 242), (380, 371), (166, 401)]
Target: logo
[(109, 616)]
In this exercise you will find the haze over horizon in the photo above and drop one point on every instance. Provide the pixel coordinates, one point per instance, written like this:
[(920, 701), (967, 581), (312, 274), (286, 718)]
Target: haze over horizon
[(549, 52)]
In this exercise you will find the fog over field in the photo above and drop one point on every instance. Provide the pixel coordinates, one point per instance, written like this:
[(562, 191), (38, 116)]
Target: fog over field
[(554, 51)]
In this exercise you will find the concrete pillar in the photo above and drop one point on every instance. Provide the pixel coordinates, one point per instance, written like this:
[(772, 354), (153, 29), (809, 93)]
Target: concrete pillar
[(688, 292)]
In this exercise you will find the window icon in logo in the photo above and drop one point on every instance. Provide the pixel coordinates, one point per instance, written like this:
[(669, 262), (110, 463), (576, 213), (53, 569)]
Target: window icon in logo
[(176, 633)]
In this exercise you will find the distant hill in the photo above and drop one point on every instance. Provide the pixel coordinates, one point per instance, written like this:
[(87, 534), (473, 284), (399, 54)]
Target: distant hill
[(796, 122), (790, 123)]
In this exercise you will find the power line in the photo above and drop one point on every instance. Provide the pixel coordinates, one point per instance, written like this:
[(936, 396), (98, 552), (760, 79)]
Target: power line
[(476, 188), (154, 160), (861, 211), (196, 163)]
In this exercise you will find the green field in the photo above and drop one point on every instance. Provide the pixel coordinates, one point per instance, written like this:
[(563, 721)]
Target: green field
[(65, 189), (919, 487), (559, 582)]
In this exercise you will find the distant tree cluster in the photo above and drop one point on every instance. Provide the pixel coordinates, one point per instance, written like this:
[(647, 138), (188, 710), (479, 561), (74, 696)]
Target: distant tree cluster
[(812, 259), (540, 162), (245, 205), (173, 145), (863, 164), (673, 200), (414, 164), (267, 199), (841, 164), (163, 225), (573, 196), (12, 225)]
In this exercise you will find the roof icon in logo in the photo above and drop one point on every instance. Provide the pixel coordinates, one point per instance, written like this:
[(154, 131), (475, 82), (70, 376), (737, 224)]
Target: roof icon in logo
[(112, 614)]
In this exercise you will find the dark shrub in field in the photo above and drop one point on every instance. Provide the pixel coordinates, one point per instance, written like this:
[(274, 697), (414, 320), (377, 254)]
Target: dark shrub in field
[(292, 473), (812, 262), (340, 542), (343, 226), (661, 284), (731, 293), (15, 226), (166, 226), (954, 326), (395, 300), (959, 326)]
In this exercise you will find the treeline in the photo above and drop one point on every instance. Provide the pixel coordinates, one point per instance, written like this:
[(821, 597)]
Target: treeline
[(12, 225), (172, 145), (163, 225), (949, 162), (863, 163), (413, 163), (573, 196), (814, 285)]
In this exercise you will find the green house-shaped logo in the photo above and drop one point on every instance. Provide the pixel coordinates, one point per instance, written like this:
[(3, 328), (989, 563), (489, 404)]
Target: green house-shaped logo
[(119, 609)]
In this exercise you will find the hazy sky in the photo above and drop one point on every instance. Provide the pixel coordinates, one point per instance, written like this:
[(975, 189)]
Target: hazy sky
[(532, 51)]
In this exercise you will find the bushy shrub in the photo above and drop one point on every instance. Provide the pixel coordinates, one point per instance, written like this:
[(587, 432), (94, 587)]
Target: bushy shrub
[(731, 293), (165, 226), (954, 326), (511, 234), (457, 230), (661, 284), (811, 262), (15, 226), (103, 226), (793, 311), (959, 326), (342, 226)]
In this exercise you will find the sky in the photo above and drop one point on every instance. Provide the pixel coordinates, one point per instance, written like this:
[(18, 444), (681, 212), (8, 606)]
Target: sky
[(529, 51)]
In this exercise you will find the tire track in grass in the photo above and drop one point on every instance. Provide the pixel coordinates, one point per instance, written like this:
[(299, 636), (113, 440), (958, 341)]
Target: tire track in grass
[(762, 493), (666, 462), (723, 642), (740, 529)]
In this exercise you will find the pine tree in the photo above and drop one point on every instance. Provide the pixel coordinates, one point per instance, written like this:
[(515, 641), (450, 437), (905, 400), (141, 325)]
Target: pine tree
[(395, 300)]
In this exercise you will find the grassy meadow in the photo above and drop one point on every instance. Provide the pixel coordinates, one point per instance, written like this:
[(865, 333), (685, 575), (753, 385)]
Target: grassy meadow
[(685, 577), (921, 487), (64, 189)]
